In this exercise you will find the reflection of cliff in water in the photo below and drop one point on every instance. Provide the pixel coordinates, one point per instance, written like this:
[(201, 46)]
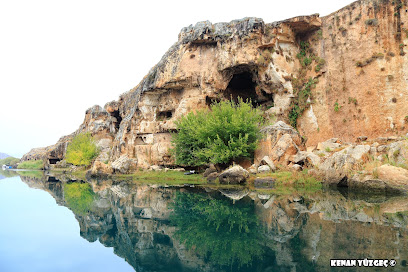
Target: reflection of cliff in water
[(188, 229)]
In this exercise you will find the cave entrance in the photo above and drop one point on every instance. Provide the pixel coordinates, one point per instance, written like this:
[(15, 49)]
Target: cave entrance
[(53, 161), (243, 86), (116, 114)]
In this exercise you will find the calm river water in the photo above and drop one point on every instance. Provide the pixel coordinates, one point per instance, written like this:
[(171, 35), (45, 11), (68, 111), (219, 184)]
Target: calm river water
[(53, 225)]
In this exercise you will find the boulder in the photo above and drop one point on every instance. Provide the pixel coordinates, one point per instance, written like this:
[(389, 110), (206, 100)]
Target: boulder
[(306, 158), (209, 170), (330, 144), (101, 168), (123, 164), (280, 142), (398, 151), (264, 182), (267, 161), (233, 175), (367, 184), (253, 169), (334, 169), (263, 169), (212, 177), (297, 167), (358, 151), (394, 177), (156, 168)]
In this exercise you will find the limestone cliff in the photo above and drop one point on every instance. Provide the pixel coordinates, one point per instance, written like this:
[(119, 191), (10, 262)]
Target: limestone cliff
[(351, 64)]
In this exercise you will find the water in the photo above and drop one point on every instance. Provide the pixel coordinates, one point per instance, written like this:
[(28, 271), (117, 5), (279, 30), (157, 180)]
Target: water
[(52, 225)]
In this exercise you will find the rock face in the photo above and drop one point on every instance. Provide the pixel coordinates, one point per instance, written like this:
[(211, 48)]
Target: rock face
[(360, 88), (280, 142), (394, 177)]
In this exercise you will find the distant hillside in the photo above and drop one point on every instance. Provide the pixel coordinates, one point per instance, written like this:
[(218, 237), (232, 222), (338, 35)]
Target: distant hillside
[(9, 161), (3, 156)]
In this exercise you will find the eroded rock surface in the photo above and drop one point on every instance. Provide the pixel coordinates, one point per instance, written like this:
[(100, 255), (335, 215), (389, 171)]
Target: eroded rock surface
[(360, 88)]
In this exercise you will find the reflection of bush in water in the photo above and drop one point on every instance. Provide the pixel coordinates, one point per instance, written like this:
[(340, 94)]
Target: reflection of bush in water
[(226, 234), (79, 197)]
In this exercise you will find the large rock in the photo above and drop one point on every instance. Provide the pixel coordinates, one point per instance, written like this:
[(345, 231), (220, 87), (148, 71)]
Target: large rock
[(330, 144), (335, 168), (398, 151), (306, 158), (101, 168), (267, 161), (209, 170), (264, 169), (233, 175), (123, 164), (280, 142), (358, 151), (394, 177)]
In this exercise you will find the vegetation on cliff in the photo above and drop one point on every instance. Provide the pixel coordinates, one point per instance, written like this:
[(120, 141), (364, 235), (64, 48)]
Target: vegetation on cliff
[(223, 134), (33, 165), (82, 150)]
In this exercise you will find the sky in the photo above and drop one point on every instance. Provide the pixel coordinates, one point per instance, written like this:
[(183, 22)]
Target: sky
[(59, 58)]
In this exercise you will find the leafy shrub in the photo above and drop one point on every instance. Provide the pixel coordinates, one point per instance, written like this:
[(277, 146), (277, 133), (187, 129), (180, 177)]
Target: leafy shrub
[(35, 165), (82, 150), (221, 135)]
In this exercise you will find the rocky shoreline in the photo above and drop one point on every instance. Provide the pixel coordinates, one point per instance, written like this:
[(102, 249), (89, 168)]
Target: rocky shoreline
[(346, 101)]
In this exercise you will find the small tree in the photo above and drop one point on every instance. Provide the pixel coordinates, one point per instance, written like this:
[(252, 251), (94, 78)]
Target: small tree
[(82, 150), (224, 133)]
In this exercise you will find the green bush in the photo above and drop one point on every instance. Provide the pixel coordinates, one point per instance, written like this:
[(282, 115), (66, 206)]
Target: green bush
[(82, 150), (34, 165), (223, 134)]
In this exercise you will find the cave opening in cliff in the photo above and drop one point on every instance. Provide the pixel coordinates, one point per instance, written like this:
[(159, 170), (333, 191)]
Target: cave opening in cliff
[(165, 115), (116, 114), (53, 161), (242, 86)]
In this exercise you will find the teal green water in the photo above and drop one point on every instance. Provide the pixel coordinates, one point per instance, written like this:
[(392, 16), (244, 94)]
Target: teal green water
[(50, 225)]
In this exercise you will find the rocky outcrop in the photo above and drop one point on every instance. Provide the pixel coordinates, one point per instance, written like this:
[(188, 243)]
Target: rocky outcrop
[(355, 88), (280, 142)]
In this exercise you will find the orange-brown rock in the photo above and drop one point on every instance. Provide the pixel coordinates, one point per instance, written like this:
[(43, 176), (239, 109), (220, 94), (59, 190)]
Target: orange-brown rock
[(356, 57)]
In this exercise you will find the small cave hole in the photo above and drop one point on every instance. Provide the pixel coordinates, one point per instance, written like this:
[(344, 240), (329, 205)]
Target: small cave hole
[(165, 115), (53, 161), (116, 114), (343, 183)]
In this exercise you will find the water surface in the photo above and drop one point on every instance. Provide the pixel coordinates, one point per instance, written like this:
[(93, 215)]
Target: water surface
[(54, 225)]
